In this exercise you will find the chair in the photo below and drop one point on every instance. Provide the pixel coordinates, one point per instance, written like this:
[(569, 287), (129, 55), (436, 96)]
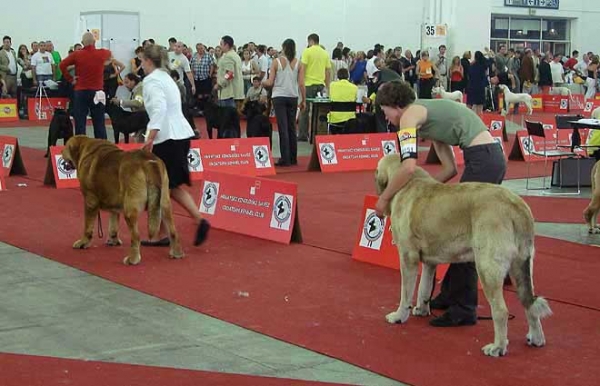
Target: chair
[(340, 107), (536, 129)]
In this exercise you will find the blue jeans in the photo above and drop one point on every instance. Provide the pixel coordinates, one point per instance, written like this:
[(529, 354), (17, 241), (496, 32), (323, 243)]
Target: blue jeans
[(226, 102), (83, 101)]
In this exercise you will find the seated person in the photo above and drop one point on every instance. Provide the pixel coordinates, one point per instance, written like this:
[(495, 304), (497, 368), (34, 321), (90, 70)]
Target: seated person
[(129, 122), (256, 94), (341, 90)]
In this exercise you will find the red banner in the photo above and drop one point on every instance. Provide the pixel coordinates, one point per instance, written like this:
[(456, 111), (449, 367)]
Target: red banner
[(2, 181), (375, 243), (253, 206), (556, 104), (576, 102), (351, 152), (242, 156), (43, 109), (8, 110), (12, 162), (589, 107)]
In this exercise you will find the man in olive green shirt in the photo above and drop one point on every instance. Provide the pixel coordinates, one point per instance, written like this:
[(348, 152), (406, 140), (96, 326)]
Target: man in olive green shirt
[(230, 82)]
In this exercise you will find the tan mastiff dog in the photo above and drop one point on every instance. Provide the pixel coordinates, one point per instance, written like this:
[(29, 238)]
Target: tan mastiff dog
[(437, 223), (121, 182)]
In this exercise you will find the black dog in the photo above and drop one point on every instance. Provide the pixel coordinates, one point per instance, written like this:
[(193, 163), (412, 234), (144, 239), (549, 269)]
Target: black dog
[(259, 124), (225, 119), (125, 122), (61, 127)]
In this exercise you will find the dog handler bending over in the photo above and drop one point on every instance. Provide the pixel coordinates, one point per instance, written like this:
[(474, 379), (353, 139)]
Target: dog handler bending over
[(168, 136), (446, 123)]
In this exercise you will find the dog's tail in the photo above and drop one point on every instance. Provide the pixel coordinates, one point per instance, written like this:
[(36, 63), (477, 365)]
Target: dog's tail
[(154, 187), (522, 272)]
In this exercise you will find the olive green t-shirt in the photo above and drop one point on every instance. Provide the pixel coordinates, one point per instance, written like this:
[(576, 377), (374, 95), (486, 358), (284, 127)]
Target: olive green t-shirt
[(449, 122)]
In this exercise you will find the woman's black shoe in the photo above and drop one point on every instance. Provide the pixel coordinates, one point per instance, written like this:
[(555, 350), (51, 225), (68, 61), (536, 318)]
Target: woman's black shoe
[(202, 232)]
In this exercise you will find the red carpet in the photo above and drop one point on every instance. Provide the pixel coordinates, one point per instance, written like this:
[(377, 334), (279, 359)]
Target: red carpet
[(20, 370), (557, 209), (323, 301)]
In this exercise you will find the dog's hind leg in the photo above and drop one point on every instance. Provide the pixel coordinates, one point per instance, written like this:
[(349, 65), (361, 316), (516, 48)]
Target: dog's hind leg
[(521, 271), (492, 273), (91, 212), (425, 288), (409, 268), (591, 214), (113, 230), (131, 212)]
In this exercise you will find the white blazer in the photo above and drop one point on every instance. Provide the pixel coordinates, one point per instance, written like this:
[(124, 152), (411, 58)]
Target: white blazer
[(163, 104)]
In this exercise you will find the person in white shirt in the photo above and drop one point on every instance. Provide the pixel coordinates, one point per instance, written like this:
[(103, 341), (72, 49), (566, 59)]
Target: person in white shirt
[(42, 64), (168, 136), (179, 62), (557, 70)]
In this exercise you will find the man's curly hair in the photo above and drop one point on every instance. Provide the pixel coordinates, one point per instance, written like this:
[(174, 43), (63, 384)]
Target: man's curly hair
[(397, 93)]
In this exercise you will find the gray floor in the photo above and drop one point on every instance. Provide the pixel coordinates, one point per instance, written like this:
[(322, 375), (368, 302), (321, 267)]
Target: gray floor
[(55, 310)]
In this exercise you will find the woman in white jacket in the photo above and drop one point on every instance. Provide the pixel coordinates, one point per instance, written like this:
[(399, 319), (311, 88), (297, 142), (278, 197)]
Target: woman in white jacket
[(168, 136)]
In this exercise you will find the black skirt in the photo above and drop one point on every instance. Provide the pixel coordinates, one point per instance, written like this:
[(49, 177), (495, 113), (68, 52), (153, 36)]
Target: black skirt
[(174, 154)]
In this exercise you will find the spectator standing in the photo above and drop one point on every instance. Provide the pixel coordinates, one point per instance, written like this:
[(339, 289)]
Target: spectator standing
[(314, 76), (88, 94)]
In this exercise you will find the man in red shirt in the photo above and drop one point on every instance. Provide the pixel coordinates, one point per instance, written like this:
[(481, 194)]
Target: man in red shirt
[(88, 84), (570, 64)]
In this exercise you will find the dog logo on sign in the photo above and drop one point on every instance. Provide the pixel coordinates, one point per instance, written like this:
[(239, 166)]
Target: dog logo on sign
[(564, 104), (209, 197), (327, 151), (389, 147), (66, 171), (195, 160), (373, 228), (261, 157), (496, 125), (282, 212), (588, 107), (527, 145), (7, 155)]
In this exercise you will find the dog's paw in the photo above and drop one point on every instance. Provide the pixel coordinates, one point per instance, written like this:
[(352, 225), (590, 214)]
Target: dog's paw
[(397, 317), (536, 340), (494, 350), (135, 260), (421, 310), (114, 242), (81, 244), (176, 254)]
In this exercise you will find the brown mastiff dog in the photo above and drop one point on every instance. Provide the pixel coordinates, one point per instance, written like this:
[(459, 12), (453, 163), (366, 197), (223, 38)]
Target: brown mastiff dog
[(437, 223), (591, 212), (125, 182)]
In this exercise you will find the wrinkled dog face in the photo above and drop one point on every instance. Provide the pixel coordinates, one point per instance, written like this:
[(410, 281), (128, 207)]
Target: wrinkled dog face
[(70, 153)]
